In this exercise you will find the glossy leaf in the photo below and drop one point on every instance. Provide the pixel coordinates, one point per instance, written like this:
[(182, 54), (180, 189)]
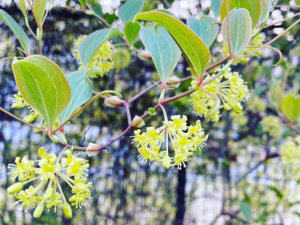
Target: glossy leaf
[(192, 47), (81, 92), (163, 49), (130, 9), (290, 107), (132, 31), (253, 6), (215, 6), (205, 27), (39, 8), (43, 85), (239, 30), (20, 34), (90, 45)]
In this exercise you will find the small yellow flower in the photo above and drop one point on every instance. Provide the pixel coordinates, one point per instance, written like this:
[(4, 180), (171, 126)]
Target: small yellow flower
[(184, 139), (50, 169)]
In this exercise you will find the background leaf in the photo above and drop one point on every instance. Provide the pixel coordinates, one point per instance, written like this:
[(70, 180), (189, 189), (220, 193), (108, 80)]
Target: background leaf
[(239, 30), (215, 6), (192, 47), (81, 92), (164, 51), (20, 34), (205, 27), (290, 107), (253, 6), (43, 85), (246, 210), (130, 9), (90, 45), (132, 31)]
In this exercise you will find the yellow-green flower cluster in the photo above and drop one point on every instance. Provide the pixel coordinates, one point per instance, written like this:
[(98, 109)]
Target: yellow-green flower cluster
[(239, 118), (154, 143), (19, 102), (102, 62), (227, 91), (290, 154), (255, 43), (256, 105), (48, 193), (271, 125)]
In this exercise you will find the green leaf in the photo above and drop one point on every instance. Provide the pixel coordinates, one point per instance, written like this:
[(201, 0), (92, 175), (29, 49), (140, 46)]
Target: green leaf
[(192, 47), (205, 27), (81, 92), (276, 191), (96, 7), (215, 6), (20, 34), (265, 10), (163, 49), (151, 111), (39, 8), (290, 107), (130, 9), (246, 210), (253, 6), (239, 30), (90, 45), (131, 31), (43, 85)]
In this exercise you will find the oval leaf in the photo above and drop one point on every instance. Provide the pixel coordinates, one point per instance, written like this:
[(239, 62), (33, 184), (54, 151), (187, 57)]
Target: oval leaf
[(253, 6), (206, 28), (239, 30), (132, 31), (192, 47), (90, 45), (39, 8), (163, 49), (290, 107), (129, 9), (43, 85), (81, 92), (20, 34)]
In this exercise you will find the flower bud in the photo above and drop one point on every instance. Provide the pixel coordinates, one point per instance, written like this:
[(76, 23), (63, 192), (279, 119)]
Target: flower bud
[(67, 210), (38, 210), (144, 55), (48, 194), (90, 148), (137, 122), (167, 161), (15, 188), (173, 82), (31, 117), (113, 101)]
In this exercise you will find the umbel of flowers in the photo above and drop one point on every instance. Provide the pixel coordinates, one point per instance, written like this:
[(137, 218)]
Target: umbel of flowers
[(154, 143), (228, 91), (39, 182)]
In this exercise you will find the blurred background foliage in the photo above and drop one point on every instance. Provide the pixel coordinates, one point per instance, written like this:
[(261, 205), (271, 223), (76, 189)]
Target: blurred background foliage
[(238, 178)]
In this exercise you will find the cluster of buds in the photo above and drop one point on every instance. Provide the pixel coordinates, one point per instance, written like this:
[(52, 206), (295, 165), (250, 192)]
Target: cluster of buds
[(48, 193)]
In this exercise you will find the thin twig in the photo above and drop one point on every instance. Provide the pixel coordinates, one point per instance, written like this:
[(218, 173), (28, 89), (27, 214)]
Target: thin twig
[(22, 121)]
